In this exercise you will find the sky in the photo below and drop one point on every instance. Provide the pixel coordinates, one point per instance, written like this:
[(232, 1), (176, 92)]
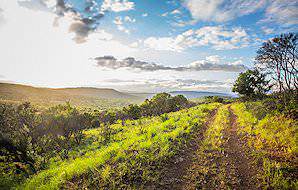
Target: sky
[(137, 45)]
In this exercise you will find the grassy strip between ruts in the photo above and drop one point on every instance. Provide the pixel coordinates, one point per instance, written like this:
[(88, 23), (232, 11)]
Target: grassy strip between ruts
[(274, 141), (129, 159), (209, 170)]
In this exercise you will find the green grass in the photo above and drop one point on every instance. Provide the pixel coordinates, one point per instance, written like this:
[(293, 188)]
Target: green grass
[(213, 136), (209, 157), (131, 157), (274, 139)]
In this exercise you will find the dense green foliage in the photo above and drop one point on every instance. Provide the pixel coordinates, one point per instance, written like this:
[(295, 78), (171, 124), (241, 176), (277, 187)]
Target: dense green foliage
[(274, 139), (251, 84)]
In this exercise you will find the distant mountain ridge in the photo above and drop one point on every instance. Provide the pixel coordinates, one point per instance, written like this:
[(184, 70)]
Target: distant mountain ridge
[(84, 96), (198, 94), (25, 90), (80, 96)]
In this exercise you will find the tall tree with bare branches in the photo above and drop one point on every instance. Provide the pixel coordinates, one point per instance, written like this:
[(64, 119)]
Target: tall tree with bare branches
[(278, 57)]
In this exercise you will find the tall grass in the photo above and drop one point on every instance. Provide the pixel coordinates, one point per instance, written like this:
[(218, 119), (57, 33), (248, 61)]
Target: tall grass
[(274, 138)]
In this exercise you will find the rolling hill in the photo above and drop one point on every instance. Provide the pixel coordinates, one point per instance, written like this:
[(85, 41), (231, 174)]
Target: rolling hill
[(101, 98), (81, 96)]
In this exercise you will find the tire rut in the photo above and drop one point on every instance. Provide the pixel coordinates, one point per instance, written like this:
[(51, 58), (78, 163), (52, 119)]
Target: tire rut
[(177, 168), (237, 157)]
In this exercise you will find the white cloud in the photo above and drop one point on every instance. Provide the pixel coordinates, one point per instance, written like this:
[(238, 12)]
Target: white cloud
[(237, 62), (267, 30), (165, 14), (284, 12), (163, 44), (134, 44), (123, 29), (176, 11), (217, 37), (214, 62), (119, 22), (166, 85), (144, 14), (209, 63), (213, 58), (221, 10), (129, 19), (117, 5), (35, 52)]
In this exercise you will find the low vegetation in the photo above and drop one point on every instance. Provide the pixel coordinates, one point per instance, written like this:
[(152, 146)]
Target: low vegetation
[(31, 140), (128, 158), (273, 138)]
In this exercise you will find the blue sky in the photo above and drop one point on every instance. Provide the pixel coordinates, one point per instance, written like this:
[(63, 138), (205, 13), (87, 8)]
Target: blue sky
[(171, 44)]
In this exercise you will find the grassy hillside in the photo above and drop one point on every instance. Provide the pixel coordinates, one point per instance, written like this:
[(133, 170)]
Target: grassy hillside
[(83, 97), (129, 159), (273, 137)]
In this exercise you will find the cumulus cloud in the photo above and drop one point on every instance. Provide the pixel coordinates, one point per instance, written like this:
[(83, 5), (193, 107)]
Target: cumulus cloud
[(217, 37), (267, 30), (129, 19), (284, 12), (119, 21), (112, 63), (188, 84), (210, 63), (86, 21), (117, 5), (158, 85), (221, 10)]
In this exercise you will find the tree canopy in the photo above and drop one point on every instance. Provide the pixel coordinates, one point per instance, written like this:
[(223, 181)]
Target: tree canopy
[(251, 84)]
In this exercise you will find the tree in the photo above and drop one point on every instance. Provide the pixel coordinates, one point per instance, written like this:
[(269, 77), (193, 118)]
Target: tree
[(65, 124), (251, 84), (180, 102), (133, 111), (160, 103), (278, 58), (19, 135), (146, 108)]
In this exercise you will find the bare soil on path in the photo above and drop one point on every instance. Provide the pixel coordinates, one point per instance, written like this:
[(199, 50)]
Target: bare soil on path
[(175, 169), (237, 157), (229, 168)]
